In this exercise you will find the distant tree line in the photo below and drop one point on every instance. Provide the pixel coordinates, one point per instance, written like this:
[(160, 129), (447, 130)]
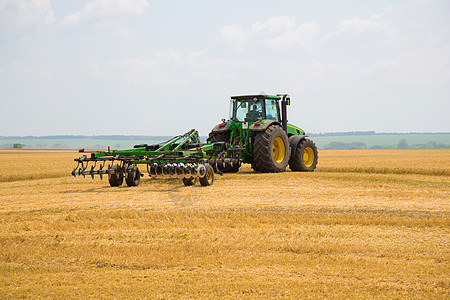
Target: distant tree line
[(95, 137), (349, 133), (403, 144), (346, 133)]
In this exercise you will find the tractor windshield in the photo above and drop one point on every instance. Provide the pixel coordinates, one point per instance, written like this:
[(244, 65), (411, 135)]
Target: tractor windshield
[(254, 109), (246, 110)]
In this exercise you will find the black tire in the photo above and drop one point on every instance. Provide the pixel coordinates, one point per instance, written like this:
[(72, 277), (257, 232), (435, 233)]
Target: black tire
[(116, 179), (134, 177), (215, 137), (304, 157), (208, 179), (271, 151), (189, 181), (254, 167)]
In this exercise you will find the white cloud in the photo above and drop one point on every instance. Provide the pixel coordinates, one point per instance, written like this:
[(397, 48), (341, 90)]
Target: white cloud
[(107, 9), (427, 2), (47, 72), (276, 32), (374, 24), (20, 14), (236, 35), (273, 26), (165, 68), (125, 32), (420, 68)]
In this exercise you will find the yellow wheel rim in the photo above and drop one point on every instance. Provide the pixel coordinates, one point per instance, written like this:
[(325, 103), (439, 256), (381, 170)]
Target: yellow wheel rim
[(210, 175), (278, 150), (308, 157)]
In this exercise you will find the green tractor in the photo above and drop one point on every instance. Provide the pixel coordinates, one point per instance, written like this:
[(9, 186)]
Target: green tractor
[(260, 128)]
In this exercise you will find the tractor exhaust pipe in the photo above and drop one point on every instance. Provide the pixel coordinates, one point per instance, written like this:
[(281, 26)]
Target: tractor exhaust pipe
[(285, 101)]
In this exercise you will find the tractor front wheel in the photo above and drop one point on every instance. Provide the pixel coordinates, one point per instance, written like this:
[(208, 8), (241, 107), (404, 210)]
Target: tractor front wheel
[(215, 137), (271, 150), (304, 157)]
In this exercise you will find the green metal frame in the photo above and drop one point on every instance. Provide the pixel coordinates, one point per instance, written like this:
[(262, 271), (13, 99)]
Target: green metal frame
[(169, 151)]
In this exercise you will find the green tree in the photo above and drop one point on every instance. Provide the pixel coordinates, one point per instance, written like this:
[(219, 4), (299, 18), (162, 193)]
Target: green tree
[(403, 144)]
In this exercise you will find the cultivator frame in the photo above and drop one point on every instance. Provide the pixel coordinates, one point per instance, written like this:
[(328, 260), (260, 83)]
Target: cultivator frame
[(183, 156)]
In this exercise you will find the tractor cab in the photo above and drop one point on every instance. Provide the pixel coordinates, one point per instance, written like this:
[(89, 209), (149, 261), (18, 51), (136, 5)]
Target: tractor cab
[(254, 108), (262, 109)]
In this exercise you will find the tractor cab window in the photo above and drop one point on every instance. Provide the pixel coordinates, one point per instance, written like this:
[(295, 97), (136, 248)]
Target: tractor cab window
[(272, 109)]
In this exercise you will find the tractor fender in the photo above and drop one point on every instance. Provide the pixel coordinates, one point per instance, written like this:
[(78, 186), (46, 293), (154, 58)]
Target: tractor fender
[(294, 140), (263, 126), (217, 128)]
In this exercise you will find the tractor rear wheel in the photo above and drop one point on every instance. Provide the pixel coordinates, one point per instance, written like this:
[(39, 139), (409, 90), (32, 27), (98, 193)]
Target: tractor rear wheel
[(304, 157), (116, 178), (271, 150), (133, 176), (254, 167)]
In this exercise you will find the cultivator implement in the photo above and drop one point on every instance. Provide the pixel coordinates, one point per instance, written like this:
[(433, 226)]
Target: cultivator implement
[(184, 157)]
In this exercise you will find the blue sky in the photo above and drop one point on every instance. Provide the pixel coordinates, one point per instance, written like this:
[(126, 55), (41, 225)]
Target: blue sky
[(163, 67)]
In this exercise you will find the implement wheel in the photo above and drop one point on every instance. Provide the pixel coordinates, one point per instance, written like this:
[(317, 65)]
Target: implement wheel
[(271, 150), (116, 179), (304, 157), (133, 176), (208, 179), (189, 181)]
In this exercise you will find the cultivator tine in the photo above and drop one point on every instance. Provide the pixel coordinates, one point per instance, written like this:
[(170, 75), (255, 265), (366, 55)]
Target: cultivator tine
[(101, 175), (82, 170), (74, 173)]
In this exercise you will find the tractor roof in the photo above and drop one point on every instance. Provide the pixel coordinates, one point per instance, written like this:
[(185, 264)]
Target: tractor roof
[(256, 96)]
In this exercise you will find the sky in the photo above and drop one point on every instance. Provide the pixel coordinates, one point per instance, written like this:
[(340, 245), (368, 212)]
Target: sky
[(147, 67)]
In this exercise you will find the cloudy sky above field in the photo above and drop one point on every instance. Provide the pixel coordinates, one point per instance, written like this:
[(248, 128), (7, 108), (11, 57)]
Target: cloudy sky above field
[(146, 67)]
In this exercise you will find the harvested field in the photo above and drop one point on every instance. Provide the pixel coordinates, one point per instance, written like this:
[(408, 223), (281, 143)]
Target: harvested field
[(366, 224)]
